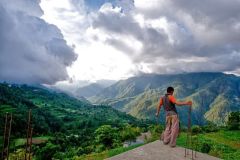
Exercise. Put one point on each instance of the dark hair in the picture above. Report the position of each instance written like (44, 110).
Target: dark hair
(170, 89)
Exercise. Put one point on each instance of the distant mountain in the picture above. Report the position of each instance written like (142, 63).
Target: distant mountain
(105, 82)
(93, 88)
(214, 95)
(54, 112)
(81, 89)
(89, 90)
(70, 86)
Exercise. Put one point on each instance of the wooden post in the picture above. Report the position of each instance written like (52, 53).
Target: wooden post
(6, 136)
(9, 134)
(189, 141)
(28, 147)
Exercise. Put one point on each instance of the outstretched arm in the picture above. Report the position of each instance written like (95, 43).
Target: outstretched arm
(189, 103)
(173, 100)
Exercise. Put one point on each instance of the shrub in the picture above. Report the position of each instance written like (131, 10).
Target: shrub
(234, 121)
(210, 127)
(107, 136)
(129, 133)
(196, 129)
(183, 128)
(47, 151)
(156, 131)
(205, 148)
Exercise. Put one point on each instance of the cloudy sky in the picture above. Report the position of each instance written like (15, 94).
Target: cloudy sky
(49, 41)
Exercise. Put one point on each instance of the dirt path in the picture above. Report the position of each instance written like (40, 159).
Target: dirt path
(157, 151)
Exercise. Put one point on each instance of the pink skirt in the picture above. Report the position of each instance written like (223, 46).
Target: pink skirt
(170, 134)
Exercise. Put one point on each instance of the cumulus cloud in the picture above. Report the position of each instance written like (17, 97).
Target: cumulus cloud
(31, 50)
(97, 57)
(119, 38)
(173, 35)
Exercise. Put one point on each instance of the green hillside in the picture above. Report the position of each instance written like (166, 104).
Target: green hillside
(54, 112)
(65, 125)
(214, 95)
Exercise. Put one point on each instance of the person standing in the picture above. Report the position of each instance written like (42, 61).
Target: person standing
(169, 103)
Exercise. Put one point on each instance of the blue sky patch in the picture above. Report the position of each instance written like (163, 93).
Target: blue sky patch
(96, 4)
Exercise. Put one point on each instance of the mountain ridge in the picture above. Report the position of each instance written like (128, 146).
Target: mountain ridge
(210, 92)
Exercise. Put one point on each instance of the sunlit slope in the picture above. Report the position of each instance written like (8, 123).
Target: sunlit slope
(214, 95)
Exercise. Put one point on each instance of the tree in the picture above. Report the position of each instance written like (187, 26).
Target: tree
(19, 154)
(210, 127)
(47, 151)
(130, 133)
(234, 121)
(107, 136)
(196, 129)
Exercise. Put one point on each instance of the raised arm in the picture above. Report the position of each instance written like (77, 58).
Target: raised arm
(178, 103)
(189, 103)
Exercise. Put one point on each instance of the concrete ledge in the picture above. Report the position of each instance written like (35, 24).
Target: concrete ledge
(158, 151)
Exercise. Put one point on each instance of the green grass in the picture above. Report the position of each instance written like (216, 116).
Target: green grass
(223, 144)
(229, 138)
(93, 156)
(22, 141)
(181, 140)
(19, 142)
(7, 108)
